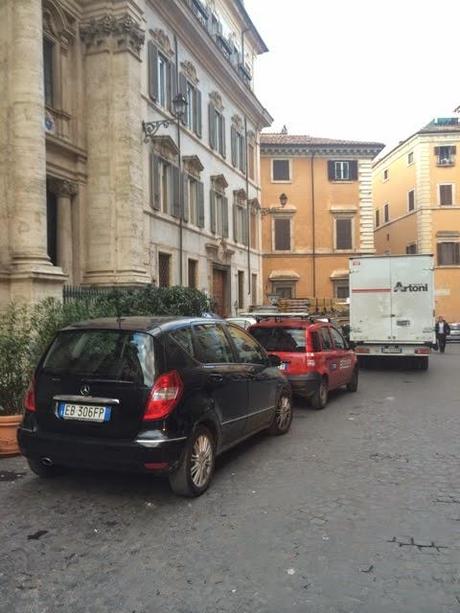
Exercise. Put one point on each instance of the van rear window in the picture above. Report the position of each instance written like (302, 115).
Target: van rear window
(103, 354)
(281, 339)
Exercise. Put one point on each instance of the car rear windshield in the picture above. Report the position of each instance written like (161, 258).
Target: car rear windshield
(281, 339)
(103, 354)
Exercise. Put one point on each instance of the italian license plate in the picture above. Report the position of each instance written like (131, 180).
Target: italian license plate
(391, 349)
(84, 412)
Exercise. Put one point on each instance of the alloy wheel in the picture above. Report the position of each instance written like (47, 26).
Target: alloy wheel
(201, 461)
(283, 413)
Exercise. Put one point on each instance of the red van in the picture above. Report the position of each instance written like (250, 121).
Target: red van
(314, 355)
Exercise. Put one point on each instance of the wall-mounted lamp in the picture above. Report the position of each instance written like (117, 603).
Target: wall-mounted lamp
(150, 128)
(275, 209)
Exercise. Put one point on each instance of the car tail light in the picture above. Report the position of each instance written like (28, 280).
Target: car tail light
(423, 350)
(362, 350)
(29, 398)
(310, 361)
(164, 396)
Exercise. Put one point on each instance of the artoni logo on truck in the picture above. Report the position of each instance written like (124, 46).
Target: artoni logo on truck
(412, 287)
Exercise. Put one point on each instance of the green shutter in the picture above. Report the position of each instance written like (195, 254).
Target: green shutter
(353, 165)
(235, 222)
(172, 89)
(225, 217)
(233, 144)
(212, 210)
(197, 117)
(245, 226)
(223, 151)
(154, 182)
(243, 155)
(212, 126)
(185, 197)
(176, 200)
(200, 203)
(331, 170)
(153, 70)
(183, 91)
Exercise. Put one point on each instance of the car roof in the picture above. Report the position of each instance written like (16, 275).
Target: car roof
(141, 324)
(286, 323)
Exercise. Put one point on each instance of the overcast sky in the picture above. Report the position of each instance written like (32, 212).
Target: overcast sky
(358, 69)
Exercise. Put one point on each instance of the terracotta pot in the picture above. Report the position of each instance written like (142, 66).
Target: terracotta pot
(8, 431)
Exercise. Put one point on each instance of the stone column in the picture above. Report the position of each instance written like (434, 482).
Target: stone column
(115, 200)
(64, 190)
(28, 273)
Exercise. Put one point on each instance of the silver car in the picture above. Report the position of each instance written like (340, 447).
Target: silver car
(454, 336)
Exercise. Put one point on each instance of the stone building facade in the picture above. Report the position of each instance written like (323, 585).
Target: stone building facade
(417, 205)
(91, 191)
(327, 214)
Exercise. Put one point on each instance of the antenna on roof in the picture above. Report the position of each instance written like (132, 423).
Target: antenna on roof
(284, 129)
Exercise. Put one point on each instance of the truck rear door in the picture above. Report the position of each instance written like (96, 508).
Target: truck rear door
(412, 299)
(370, 298)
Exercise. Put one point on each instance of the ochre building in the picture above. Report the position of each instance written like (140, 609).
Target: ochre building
(317, 212)
(129, 137)
(417, 205)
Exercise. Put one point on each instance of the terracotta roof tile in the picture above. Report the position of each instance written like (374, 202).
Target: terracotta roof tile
(272, 138)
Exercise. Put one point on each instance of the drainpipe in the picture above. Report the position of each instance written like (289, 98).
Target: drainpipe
(248, 213)
(312, 178)
(181, 185)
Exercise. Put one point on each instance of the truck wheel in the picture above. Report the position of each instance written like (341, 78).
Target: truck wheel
(352, 385)
(423, 363)
(319, 399)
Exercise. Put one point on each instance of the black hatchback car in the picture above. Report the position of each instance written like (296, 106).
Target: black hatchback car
(162, 395)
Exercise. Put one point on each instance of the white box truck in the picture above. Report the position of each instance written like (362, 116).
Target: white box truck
(392, 306)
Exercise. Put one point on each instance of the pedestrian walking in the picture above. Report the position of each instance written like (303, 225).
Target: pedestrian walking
(442, 330)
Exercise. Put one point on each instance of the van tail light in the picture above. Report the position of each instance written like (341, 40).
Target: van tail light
(29, 398)
(423, 350)
(164, 396)
(310, 361)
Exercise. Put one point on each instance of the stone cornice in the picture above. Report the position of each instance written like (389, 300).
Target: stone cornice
(123, 31)
(188, 68)
(162, 41)
(339, 150)
(216, 99)
(219, 182)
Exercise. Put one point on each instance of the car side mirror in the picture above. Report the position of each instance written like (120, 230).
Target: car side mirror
(274, 360)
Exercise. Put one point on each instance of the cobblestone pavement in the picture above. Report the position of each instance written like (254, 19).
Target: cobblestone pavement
(357, 509)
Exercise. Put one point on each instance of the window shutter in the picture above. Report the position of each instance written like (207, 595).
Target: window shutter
(183, 91)
(176, 205)
(282, 234)
(243, 155)
(353, 166)
(200, 203)
(343, 233)
(436, 151)
(185, 197)
(225, 217)
(212, 208)
(233, 145)
(212, 126)
(154, 181)
(222, 136)
(172, 86)
(453, 149)
(245, 226)
(235, 222)
(153, 70)
(197, 117)
(331, 170)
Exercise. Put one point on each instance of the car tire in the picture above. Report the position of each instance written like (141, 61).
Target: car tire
(352, 385)
(194, 473)
(43, 471)
(319, 399)
(284, 413)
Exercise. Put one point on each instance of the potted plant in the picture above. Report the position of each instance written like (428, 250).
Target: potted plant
(15, 370)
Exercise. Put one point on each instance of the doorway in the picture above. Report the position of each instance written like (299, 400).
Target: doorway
(219, 290)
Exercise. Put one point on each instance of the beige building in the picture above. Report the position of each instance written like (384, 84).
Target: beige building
(417, 205)
(327, 216)
(101, 181)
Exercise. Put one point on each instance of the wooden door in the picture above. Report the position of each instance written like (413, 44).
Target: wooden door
(219, 294)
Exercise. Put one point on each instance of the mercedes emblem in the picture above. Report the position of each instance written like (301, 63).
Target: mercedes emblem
(84, 391)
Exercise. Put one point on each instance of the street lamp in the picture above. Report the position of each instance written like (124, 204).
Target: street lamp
(150, 128)
(275, 209)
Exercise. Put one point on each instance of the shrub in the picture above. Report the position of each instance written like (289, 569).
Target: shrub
(27, 330)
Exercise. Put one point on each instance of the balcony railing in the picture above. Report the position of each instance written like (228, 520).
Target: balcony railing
(446, 161)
